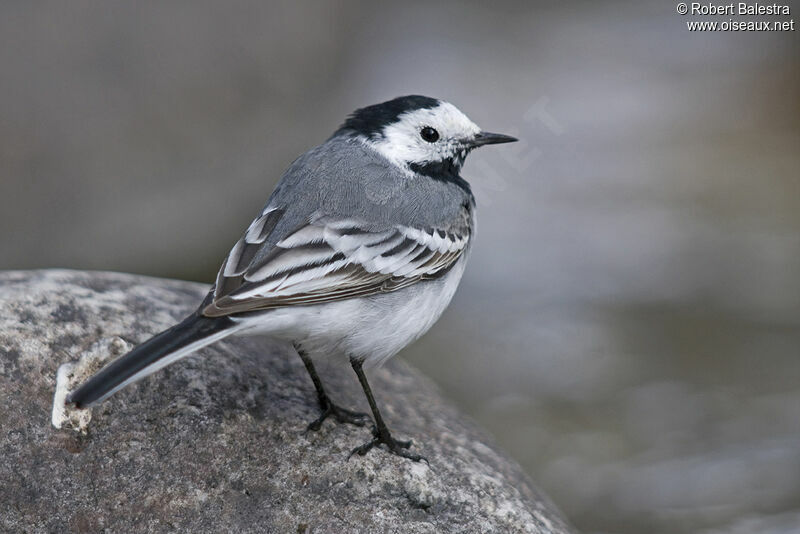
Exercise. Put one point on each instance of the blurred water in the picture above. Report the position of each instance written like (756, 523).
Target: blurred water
(628, 324)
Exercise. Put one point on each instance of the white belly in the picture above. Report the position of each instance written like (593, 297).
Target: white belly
(372, 329)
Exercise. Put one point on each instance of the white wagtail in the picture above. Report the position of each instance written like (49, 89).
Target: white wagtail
(357, 253)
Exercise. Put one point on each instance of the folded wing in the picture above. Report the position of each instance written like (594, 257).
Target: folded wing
(329, 260)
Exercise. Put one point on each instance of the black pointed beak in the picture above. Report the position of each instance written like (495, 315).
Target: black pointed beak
(489, 138)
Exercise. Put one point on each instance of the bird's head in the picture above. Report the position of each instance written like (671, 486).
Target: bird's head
(422, 134)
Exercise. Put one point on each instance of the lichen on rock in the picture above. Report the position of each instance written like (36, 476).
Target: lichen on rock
(70, 375)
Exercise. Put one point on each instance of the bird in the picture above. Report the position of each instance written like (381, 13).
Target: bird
(357, 253)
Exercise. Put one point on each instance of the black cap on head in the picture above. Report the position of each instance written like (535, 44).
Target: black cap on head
(371, 120)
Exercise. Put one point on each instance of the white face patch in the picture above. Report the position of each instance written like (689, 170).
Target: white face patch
(402, 144)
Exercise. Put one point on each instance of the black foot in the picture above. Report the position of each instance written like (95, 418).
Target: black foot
(395, 446)
(342, 415)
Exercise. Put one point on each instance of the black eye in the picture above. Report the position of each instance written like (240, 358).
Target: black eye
(429, 134)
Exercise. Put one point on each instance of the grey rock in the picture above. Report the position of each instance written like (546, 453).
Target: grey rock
(217, 442)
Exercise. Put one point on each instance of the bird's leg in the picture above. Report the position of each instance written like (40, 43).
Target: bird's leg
(342, 415)
(380, 434)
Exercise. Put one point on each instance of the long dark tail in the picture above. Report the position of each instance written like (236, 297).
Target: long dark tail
(172, 344)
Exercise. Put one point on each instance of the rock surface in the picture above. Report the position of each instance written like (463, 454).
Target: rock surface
(217, 442)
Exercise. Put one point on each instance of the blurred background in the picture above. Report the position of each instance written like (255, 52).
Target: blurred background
(629, 325)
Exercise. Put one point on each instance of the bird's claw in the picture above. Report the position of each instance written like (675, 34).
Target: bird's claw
(342, 415)
(394, 446)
